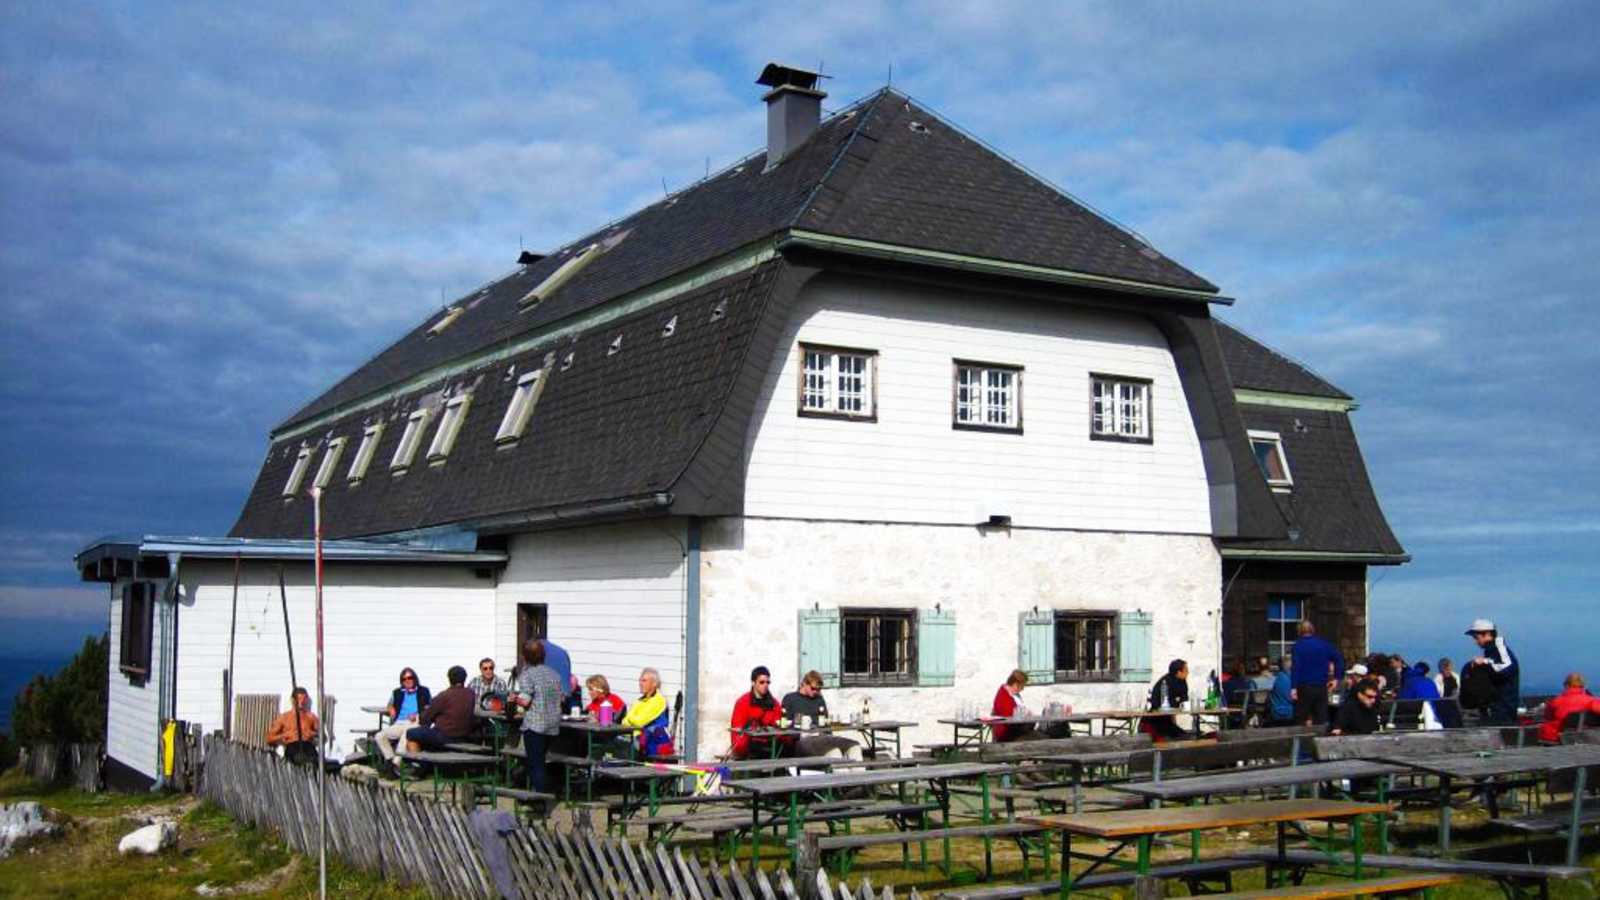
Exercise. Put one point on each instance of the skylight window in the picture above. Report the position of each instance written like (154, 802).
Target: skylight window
(330, 461)
(364, 453)
(1268, 448)
(410, 439)
(570, 268)
(455, 413)
(449, 318)
(298, 473)
(520, 410)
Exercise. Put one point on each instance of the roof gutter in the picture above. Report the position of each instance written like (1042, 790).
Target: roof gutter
(574, 514)
(899, 253)
(1375, 559)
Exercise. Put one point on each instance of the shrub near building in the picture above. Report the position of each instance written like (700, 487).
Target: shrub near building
(68, 707)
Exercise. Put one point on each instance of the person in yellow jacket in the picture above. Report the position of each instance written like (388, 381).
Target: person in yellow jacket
(650, 716)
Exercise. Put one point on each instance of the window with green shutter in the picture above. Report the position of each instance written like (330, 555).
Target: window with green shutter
(1036, 646)
(936, 648)
(1134, 636)
(819, 644)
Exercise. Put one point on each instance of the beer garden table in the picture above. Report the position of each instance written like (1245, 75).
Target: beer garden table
(979, 730)
(1127, 719)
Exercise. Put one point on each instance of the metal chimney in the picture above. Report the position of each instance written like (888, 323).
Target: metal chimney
(794, 108)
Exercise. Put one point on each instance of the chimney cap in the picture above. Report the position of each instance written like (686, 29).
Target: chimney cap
(778, 76)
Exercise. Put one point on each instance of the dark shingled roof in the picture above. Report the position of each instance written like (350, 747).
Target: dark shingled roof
(1332, 503)
(884, 169)
(1255, 366)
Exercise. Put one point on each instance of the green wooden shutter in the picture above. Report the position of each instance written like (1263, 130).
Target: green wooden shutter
(1133, 646)
(936, 648)
(819, 644)
(1036, 646)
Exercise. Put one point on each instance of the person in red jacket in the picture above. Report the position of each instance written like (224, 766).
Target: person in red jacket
(756, 709)
(1008, 704)
(1575, 698)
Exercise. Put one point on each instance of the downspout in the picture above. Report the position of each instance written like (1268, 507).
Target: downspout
(167, 681)
(691, 640)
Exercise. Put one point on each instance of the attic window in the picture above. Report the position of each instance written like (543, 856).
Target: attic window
(560, 276)
(302, 462)
(364, 453)
(455, 413)
(1268, 448)
(449, 318)
(330, 461)
(520, 410)
(410, 439)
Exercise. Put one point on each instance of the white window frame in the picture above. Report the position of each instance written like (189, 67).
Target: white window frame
(330, 461)
(445, 321)
(410, 439)
(302, 462)
(520, 410)
(444, 437)
(1281, 485)
(990, 399)
(1278, 627)
(364, 452)
(1112, 421)
(562, 274)
(824, 370)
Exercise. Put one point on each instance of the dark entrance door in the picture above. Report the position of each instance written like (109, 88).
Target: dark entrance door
(533, 620)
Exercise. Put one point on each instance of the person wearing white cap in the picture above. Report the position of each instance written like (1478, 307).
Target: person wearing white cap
(1503, 670)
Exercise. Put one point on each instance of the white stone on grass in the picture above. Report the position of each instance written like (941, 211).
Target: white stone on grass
(149, 840)
(19, 821)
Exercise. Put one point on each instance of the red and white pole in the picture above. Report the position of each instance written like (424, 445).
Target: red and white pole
(322, 767)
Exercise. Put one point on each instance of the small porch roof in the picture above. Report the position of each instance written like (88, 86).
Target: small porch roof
(146, 556)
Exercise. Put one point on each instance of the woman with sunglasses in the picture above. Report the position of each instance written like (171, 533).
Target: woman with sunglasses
(405, 705)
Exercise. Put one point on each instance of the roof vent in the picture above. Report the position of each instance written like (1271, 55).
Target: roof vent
(794, 109)
(567, 363)
(616, 346)
(719, 311)
(527, 259)
(670, 327)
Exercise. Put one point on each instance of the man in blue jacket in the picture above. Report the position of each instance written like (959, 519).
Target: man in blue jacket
(1504, 672)
(1283, 694)
(1315, 667)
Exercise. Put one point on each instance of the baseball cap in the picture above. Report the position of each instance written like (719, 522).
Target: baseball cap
(1481, 625)
(1358, 669)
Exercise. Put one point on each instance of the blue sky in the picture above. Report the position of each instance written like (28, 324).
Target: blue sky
(208, 214)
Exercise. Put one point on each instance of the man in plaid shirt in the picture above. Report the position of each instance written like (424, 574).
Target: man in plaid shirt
(539, 693)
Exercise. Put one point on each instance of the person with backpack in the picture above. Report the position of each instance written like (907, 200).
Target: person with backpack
(1505, 675)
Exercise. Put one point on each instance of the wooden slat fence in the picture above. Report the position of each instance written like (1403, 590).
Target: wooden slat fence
(411, 839)
(252, 713)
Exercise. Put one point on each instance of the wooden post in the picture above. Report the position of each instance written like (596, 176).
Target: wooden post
(808, 865)
(1147, 887)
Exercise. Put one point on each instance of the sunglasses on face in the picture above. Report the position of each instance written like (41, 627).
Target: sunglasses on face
(1369, 696)
(408, 678)
(486, 668)
(763, 681)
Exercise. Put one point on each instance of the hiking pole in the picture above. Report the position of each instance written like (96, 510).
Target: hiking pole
(322, 766)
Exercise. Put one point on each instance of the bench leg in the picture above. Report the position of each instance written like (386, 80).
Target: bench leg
(1444, 814)
(1579, 784)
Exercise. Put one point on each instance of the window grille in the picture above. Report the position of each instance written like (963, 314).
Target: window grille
(988, 397)
(1086, 646)
(878, 646)
(1119, 408)
(837, 383)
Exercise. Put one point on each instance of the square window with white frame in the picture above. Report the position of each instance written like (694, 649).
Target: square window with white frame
(1268, 448)
(1284, 615)
(1119, 408)
(838, 383)
(1086, 646)
(987, 396)
(878, 646)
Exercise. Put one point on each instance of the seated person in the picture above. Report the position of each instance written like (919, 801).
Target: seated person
(806, 708)
(448, 718)
(649, 714)
(757, 709)
(1358, 714)
(1416, 685)
(489, 685)
(1574, 698)
(405, 705)
(600, 697)
(1282, 695)
(1008, 705)
(296, 730)
(1171, 691)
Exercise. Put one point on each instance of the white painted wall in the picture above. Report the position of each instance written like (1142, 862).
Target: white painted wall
(912, 466)
(615, 595)
(756, 574)
(377, 619)
(132, 727)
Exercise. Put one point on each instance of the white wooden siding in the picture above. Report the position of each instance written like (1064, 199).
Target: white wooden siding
(132, 729)
(615, 595)
(912, 466)
(376, 619)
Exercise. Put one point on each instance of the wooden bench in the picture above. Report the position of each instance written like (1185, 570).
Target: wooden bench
(1193, 874)
(830, 812)
(524, 799)
(844, 846)
(1400, 884)
(1548, 822)
(1511, 876)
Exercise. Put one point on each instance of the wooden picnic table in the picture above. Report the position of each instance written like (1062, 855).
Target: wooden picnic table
(979, 730)
(869, 730)
(1240, 780)
(1129, 718)
(653, 775)
(1140, 826)
(382, 712)
(789, 792)
(1483, 766)
(1080, 762)
(438, 761)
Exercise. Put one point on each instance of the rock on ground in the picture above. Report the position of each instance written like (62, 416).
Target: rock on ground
(149, 840)
(20, 821)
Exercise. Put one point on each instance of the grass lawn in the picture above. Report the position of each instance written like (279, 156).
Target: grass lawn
(212, 849)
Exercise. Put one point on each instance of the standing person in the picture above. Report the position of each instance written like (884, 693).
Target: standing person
(1171, 691)
(1574, 698)
(296, 730)
(1503, 671)
(1445, 679)
(1008, 704)
(649, 714)
(487, 683)
(1317, 667)
(558, 659)
(756, 708)
(540, 692)
(1359, 714)
(448, 718)
(1282, 694)
(807, 708)
(405, 705)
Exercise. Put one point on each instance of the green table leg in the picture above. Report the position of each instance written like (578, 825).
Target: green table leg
(794, 829)
(988, 842)
(1444, 814)
(1066, 864)
(1383, 818)
(1579, 784)
(1144, 855)
(1356, 842)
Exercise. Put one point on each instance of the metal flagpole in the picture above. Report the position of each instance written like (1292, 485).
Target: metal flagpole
(322, 768)
(233, 629)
